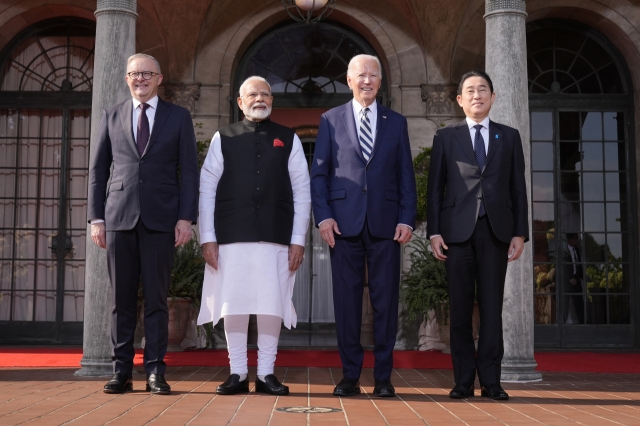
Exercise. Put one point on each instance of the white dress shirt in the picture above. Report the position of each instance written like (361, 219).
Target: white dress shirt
(484, 132)
(151, 115)
(373, 117)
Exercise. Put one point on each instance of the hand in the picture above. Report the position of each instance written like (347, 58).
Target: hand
(99, 234)
(438, 246)
(296, 254)
(210, 253)
(327, 228)
(516, 248)
(183, 232)
(403, 234)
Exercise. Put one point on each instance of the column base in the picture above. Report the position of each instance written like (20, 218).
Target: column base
(95, 368)
(520, 372)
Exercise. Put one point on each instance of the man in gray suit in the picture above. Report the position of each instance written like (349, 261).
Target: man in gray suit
(140, 208)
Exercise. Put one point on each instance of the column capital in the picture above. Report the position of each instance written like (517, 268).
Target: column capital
(494, 7)
(119, 6)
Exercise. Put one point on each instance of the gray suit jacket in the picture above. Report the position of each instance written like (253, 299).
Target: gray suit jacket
(160, 187)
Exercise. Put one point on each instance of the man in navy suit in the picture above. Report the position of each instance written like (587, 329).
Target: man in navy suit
(140, 207)
(477, 220)
(364, 202)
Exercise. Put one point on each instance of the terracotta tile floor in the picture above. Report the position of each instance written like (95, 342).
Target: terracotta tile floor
(57, 397)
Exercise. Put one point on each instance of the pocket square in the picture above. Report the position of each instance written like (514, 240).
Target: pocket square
(278, 142)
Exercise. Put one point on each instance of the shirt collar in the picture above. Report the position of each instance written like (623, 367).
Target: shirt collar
(484, 123)
(357, 108)
(153, 102)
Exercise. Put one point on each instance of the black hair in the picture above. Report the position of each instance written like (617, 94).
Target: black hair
(475, 73)
(571, 235)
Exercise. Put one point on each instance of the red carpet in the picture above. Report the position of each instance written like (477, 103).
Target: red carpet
(588, 362)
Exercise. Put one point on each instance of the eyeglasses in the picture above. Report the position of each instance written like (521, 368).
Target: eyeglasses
(471, 92)
(145, 74)
(254, 95)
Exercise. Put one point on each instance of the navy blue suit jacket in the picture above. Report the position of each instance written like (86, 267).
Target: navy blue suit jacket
(349, 189)
(146, 187)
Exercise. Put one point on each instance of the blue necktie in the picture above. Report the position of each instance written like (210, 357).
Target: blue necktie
(481, 157)
(366, 137)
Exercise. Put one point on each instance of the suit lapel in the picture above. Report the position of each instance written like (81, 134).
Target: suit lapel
(381, 125)
(126, 114)
(350, 124)
(495, 139)
(464, 140)
(158, 123)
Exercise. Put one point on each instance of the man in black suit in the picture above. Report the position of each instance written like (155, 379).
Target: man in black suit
(140, 208)
(477, 222)
(573, 275)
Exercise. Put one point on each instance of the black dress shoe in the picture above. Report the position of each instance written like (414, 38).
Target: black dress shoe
(119, 383)
(233, 385)
(271, 385)
(384, 389)
(157, 385)
(347, 387)
(494, 392)
(461, 392)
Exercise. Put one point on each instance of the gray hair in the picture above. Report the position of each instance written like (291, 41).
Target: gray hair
(253, 77)
(143, 56)
(363, 56)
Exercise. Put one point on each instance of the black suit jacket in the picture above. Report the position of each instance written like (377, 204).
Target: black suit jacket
(457, 185)
(124, 186)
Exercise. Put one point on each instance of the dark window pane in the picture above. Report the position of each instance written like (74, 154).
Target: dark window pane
(543, 213)
(543, 247)
(594, 247)
(593, 186)
(6, 213)
(23, 306)
(45, 308)
(596, 276)
(614, 156)
(49, 210)
(592, 156)
(542, 156)
(570, 217)
(616, 186)
(617, 278)
(610, 80)
(616, 244)
(570, 186)
(542, 126)
(5, 305)
(596, 309)
(595, 54)
(569, 123)
(613, 126)
(580, 68)
(542, 186)
(591, 126)
(590, 85)
(594, 217)
(614, 217)
(619, 311)
(568, 84)
(573, 308)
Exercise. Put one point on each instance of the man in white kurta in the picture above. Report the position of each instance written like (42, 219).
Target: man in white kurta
(253, 239)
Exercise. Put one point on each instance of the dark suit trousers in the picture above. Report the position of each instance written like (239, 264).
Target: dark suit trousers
(482, 261)
(139, 252)
(348, 271)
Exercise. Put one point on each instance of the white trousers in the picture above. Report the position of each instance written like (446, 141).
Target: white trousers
(236, 328)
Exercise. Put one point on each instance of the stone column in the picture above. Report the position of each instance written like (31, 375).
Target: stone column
(506, 64)
(115, 42)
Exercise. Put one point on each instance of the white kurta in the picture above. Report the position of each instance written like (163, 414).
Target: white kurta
(252, 278)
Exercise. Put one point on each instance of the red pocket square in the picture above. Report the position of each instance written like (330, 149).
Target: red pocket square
(278, 142)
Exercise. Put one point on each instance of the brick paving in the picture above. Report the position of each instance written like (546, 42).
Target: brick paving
(41, 396)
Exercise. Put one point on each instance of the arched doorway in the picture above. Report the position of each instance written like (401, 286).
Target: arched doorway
(584, 225)
(306, 66)
(45, 99)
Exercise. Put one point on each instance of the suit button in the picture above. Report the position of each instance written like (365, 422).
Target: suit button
(258, 206)
(140, 181)
(257, 172)
(479, 197)
(141, 161)
(257, 189)
(364, 191)
(257, 141)
(258, 156)
(367, 167)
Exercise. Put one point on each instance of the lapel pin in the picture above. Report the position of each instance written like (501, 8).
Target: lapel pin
(384, 116)
(496, 136)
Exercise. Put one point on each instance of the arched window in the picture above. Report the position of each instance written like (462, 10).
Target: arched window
(582, 169)
(46, 75)
(306, 65)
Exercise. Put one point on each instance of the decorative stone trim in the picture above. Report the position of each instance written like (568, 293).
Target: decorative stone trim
(493, 5)
(440, 99)
(184, 95)
(123, 6)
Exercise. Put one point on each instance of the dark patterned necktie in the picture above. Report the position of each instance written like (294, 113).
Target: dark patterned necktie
(143, 129)
(366, 138)
(481, 157)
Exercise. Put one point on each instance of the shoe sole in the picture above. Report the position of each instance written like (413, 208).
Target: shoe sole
(127, 388)
(461, 397)
(158, 392)
(497, 398)
(356, 392)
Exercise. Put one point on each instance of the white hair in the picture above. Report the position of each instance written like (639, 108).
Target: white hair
(254, 77)
(143, 56)
(357, 58)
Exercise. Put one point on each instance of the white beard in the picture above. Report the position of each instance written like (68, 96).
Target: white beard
(257, 114)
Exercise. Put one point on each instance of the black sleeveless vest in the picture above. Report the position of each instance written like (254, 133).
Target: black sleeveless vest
(254, 198)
